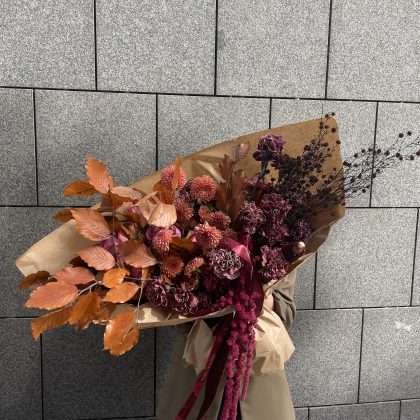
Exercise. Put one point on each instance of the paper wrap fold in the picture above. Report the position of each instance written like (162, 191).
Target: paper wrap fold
(274, 345)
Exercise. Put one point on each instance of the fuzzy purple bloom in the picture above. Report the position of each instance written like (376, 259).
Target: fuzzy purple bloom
(269, 147)
(224, 263)
(250, 218)
(300, 230)
(275, 209)
(156, 293)
(273, 264)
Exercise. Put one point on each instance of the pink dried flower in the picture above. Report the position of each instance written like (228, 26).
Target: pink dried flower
(203, 188)
(250, 218)
(184, 211)
(161, 241)
(216, 218)
(193, 265)
(207, 236)
(172, 265)
(167, 176)
(224, 263)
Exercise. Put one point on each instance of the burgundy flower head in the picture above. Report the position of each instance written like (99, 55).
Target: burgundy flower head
(156, 293)
(250, 218)
(269, 147)
(273, 264)
(224, 263)
(183, 301)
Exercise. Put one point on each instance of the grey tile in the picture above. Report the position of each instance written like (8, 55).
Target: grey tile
(356, 124)
(374, 51)
(20, 379)
(304, 290)
(17, 148)
(156, 46)
(47, 43)
(116, 128)
(390, 354)
(190, 123)
(368, 259)
(19, 228)
(301, 414)
(397, 186)
(272, 48)
(324, 366)
(373, 411)
(83, 381)
(410, 410)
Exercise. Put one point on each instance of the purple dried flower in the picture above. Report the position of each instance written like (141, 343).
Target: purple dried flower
(268, 148)
(300, 230)
(183, 301)
(275, 209)
(250, 218)
(225, 263)
(273, 264)
(156, 293)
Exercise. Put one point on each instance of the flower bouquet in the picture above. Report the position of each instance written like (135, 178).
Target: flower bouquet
(209, 236)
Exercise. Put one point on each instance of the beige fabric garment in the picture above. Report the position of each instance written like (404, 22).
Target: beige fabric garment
(268, 395)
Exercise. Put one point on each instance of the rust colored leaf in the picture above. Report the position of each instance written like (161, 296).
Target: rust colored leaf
(119, 336)
(137, 254)
(114, 277)
(49, 321)
(121, 293)
(52, 296)
(75, 275)
(240, 151)
(156, 212)
(182, 244)
(164, 194)
(35, 280)
(105, 312)
(91, 224)
(98, 176)
(63, 216)
(85, 310)
(126, 193)
(80, 188)
(97, 257)
(177, 174)
(145, 273)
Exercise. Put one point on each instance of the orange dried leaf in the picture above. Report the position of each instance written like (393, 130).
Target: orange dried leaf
(50, 321)
(63, 216)
(121, 293)
(105, 312)
(240, 151)
(85, 310)
(35, 279)
(91, 224)
(164, 215)
(164, 194)
(98, 176)
(177, 174)
(75, 275)
(130, 340)
(182, 244)
(137, 254)
(126, 193)
(52, 296)
(79, 188)
(114, 277)
(97, 257)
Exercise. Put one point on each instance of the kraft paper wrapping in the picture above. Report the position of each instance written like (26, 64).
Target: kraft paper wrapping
(274, 345)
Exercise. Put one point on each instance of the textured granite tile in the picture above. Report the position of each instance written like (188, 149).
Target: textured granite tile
(356, 122)
(116, 128)
(324, 366)
(374, 411)
(304, 290)
(47, 43)
(374, 50)
(410, 410)
(19, 229)
(368, 260)
(301, 414)
(20, 379)
(83, 381)
(156, 46)
(390, 354)
(17, 148)
(190, 123)
(397, 186)
(272, 48)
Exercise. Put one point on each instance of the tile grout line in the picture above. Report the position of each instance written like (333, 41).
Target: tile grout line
(216, 30)
(373, 154)
(35, 149)
(315, 278)
(400, 409)
(270, 112)
(95, 44)
(414, 258)
(360, 356)
(355, 403)
(41, 352)
(328, 51)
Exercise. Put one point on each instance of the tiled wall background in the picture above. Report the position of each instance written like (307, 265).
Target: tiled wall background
(134, 82)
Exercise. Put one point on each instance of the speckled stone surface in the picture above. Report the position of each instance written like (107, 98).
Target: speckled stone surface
(19, 229)
(189, 123)
(47, 43)
(116, 128)
(374, 50)
(356, 124)
(367, 260)
(323, 368)
(397, 186)
(83, 381)
(272, 48)
(390, 361)
(304, 289)
(156, 45)
(17, 147)
(20, 365)
(373, 411)
(301, 414)
(410, 410)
